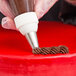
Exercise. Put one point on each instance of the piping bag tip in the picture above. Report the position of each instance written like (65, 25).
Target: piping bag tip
(32, 39)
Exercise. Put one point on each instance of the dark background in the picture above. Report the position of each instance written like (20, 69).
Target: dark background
(52, 15)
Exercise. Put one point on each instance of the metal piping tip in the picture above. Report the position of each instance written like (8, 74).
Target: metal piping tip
(32, 39)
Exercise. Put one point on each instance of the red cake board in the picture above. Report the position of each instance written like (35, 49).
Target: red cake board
(16, 58)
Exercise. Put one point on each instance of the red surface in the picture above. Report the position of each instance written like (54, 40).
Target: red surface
(16, 58)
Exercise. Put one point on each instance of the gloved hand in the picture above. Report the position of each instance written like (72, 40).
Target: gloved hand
(41, 7)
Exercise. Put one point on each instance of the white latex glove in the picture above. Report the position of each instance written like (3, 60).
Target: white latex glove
(41, 7)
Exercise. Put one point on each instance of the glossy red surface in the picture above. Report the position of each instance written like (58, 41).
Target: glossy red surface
(16, 58)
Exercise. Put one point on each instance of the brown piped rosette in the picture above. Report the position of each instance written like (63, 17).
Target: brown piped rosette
(54, 50)
(36, 51)
(45, 50)
(63, 49)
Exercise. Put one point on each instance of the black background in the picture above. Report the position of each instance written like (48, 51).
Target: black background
(52, 15)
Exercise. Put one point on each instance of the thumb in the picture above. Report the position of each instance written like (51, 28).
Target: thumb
(8, 23)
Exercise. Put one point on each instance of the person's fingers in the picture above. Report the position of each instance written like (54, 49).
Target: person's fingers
(8, 23)
(42, 6)
(73, 2)
(5, 9)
